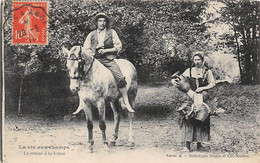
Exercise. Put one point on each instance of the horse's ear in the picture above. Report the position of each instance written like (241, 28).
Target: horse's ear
(65, 51)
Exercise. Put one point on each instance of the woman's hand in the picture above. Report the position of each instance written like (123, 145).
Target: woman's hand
(199, 90)
(175, 79)
(175, 82)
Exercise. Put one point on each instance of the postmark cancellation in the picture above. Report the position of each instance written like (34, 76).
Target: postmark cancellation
(30, 22)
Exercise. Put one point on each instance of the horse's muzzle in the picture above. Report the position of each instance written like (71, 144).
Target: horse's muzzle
(74, 90)
(74, 85)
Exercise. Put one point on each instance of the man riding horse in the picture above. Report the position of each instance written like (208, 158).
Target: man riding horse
(98, 78)
(103, 43)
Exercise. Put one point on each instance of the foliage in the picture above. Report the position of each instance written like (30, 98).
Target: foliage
(244, 17)
(149, 31)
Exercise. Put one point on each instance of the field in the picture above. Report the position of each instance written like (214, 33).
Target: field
(234, 134)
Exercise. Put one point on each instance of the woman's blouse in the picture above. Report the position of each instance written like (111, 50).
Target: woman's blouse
(199, 78)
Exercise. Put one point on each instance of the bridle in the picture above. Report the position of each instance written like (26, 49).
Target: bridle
(81, 64)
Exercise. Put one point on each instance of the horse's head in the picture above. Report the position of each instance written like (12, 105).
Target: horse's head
(75, 65)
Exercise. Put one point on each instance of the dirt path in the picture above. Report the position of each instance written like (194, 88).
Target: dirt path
(35, 138)
(155, 142)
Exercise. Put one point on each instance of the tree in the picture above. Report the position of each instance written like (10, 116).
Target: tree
(244, 17)
(19, 60)
(149, 30)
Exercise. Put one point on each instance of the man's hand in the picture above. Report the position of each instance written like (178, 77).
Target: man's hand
(102, 51)
(199, 90)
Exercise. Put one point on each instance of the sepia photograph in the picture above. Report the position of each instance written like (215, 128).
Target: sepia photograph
(130, 81)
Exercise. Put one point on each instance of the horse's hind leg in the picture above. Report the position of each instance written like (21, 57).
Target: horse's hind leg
(102, 123)
(131, 121)
(88, 114)
(115, 107)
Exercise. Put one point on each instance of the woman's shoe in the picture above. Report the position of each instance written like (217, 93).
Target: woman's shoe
(185, 149)
(200, 147)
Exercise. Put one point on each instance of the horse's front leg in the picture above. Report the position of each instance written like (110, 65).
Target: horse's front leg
(115, 107)
(102, 123)
(88, 114)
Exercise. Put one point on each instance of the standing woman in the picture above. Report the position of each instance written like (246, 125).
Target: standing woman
(200, 79)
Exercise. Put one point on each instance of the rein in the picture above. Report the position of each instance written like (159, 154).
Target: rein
(85, 74)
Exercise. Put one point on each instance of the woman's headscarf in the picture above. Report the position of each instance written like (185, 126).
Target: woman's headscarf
(199, 54)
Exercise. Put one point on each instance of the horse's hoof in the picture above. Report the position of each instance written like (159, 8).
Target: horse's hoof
(91, 150)
(130, 144)
(112, 143)
(106, 147)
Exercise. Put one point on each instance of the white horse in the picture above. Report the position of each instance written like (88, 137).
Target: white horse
(96, 85)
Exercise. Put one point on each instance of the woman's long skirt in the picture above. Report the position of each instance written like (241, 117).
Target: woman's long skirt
(194, 130)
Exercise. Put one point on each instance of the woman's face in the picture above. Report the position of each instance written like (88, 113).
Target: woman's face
(197, 61)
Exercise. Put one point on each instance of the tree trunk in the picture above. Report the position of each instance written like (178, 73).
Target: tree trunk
(247, 62)
(238, 54)
(255, 53)
(20, 94)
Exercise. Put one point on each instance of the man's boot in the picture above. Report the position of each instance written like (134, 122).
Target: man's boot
(123, 92)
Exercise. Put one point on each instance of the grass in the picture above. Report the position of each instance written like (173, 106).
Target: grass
(236, 130)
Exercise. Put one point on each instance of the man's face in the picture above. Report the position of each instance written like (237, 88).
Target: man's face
(101, 23)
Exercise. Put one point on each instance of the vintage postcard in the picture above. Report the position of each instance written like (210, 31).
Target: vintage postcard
(130, 81)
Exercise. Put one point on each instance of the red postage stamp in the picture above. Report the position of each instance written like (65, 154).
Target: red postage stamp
(30, 22)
